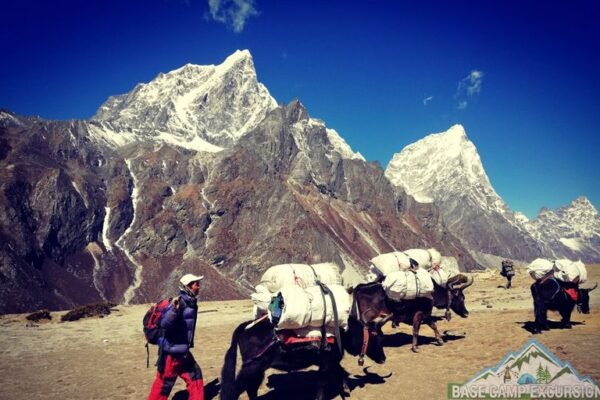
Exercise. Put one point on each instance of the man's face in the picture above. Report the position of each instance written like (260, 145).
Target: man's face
(195, 287)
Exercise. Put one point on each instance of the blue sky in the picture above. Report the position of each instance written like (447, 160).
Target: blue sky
(522, 77)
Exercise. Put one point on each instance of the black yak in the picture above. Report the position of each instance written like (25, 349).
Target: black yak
(551, 294)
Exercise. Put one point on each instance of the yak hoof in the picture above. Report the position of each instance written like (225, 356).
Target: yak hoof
(415, 349)
(439, 342)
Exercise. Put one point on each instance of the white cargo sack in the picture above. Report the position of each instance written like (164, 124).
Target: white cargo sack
(569, 271)
(440, 275)
(450, 265)
(312, 332)
(539, 268)
(304, 308)
(426, 258)
(408, 285)
(384, 264)
(342, 302)
(302, 275)
(261, 299)
(582, 271)
(296, 308)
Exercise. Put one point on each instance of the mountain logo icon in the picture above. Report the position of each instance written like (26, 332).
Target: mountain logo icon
(532, 372)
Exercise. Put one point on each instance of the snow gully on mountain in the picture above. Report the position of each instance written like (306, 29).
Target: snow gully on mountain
(137, 280)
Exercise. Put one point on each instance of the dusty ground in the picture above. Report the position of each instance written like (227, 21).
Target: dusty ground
(105, 358)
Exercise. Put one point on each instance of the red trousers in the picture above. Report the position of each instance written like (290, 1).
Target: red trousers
(185, 367)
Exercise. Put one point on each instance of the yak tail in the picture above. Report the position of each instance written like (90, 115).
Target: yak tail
(228, 384)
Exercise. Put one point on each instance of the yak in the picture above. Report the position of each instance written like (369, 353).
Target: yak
(551, 294)
(416, 311)
(261, 347)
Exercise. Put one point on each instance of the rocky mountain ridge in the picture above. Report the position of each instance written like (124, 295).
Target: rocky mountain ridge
(118, 207)
(201, 171)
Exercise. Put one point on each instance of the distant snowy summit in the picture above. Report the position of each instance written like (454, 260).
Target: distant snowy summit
(190, 105)
(576, 227)
(440, 166)
(199, 107)
(445, 169)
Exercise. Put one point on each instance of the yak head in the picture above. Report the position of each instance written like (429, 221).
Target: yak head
(456, 285)
(583, 300)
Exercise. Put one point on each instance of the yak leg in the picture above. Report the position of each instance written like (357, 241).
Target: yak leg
(249, 379)
(540, 311)
(323, 376)
(434, 327)
(417, 319)
(565, 313)
(331, 373)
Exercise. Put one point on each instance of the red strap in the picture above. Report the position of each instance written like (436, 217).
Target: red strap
(288, 336)
(296, 340)
(572, 293)
(365, 343)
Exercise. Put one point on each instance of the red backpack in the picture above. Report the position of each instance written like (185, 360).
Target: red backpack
(152, 330)
(151, 321)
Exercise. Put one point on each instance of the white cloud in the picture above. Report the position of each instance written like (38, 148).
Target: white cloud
(468, 87)
(427, 100)
(471, 84)
(232, 13)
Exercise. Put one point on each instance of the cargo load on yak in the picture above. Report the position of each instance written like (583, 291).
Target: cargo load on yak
(299, 308)
(564, 270)
(408, 285)
(539, 268)
(427, 258)
(384, 264)
(292, 297)
(304, 275)
(440, 268)
(448, 269)
(570, 271)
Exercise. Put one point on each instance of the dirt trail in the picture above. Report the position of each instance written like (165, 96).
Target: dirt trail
(105, 358)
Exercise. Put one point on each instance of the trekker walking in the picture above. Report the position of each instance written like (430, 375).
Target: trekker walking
(174, 357)
(508, 271)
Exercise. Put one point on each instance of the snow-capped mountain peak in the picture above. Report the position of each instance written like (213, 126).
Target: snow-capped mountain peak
(445, 168)
(216, 104)
(442, 165)
(573, 230)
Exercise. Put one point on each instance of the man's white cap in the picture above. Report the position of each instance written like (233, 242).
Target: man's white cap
(189, 278)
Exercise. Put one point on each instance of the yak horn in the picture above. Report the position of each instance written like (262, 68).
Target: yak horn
(464, 285)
